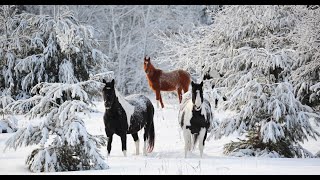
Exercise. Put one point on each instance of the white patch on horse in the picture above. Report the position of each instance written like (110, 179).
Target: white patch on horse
(198, 100)
(128, 108)
(204, 110)
(187, 110)
(137, 147)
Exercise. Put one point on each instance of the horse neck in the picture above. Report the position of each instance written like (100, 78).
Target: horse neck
(155, 73)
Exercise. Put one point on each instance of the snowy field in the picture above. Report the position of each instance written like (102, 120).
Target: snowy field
(168, 154)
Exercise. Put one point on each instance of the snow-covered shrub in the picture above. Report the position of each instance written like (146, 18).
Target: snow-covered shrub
(8, 122)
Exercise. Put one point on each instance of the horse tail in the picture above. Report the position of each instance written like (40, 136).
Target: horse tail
(150, 129)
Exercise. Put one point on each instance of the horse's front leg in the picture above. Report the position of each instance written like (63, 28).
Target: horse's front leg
(202, 138)
(179, 90)
(124, 143)
(109, 143)
(159, 98)
(187, 141)
(161, 101)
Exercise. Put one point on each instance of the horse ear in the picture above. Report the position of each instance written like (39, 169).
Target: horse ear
(201, 84)
(148, 59)
(112, 82)
(104, 81)
(192, 83)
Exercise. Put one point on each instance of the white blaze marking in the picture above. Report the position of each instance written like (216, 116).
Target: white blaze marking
(198, 99)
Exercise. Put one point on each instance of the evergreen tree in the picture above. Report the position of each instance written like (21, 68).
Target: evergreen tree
(41, 48)
(306, 74)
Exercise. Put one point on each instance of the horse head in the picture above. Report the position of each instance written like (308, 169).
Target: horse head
(109, 94)
(197, 95)
(147, 65)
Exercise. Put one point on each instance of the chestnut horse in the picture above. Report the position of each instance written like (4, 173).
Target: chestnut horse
(166, 81)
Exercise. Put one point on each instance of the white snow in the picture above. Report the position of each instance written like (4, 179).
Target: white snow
(168, 154)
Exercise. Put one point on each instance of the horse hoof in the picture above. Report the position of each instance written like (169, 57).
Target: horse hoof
(125, 153)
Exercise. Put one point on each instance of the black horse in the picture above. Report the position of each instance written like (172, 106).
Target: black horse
(195, 118)
(127, 116)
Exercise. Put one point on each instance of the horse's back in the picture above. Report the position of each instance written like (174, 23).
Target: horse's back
(184, 74)
(172, 80)
(139, 101)
(142, 110)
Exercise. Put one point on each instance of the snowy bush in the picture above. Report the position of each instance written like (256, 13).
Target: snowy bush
(57, 105)
(8, 122)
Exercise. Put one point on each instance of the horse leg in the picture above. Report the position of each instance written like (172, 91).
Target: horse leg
(161, 100)
(136, 140)
(145, 141)
(157, 97)
(194, 141)
(185, 88)
(124, 143)
(187, 141)
(202, 137)
(179, 94)
(109, 135)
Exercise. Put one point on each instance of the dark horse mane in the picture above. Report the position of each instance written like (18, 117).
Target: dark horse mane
(127, 116)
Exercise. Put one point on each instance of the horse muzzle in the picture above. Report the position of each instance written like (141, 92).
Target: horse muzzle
(197, 108)
(107, 106)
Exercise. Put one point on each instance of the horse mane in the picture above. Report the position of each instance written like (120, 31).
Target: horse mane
(128, 108)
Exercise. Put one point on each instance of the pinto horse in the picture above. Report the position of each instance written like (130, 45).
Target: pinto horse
(127, 116)
(166, 81)
(195, 118)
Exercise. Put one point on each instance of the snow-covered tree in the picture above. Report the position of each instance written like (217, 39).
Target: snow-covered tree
(306, 74)
(8, 122)
(257, 55)
(41, 48)
(253, 48)
(65, 144)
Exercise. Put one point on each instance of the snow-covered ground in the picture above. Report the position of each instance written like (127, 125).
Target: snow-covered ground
(168, 154)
